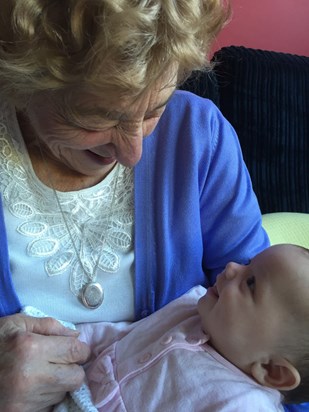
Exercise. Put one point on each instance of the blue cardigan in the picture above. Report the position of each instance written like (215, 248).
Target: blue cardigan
(194, 207)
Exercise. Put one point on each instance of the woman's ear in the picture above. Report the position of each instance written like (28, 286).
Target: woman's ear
(278, 373)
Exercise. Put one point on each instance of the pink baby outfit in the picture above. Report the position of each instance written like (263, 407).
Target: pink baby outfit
(163, 363)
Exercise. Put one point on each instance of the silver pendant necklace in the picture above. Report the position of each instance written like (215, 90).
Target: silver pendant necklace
(91, 294)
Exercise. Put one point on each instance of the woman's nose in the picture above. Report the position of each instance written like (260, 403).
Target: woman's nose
(131, 147)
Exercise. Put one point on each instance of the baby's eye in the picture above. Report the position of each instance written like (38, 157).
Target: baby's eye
(251, 283)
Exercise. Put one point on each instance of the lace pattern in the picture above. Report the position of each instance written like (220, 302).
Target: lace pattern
(98, 238)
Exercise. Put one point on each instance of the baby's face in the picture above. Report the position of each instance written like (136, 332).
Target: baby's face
(250, 309)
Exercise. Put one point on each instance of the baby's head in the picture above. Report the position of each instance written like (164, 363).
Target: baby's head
(257, 316)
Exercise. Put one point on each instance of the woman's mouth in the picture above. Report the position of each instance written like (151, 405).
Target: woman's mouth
(103, 160)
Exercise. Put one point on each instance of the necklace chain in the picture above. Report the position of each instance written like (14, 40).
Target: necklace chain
(102, 238)
(91, 295)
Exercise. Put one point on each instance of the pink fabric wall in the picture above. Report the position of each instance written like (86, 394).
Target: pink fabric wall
(279, 25)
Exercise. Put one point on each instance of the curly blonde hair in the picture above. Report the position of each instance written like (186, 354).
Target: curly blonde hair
(119, 46)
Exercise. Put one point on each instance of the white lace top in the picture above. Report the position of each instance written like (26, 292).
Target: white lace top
(45, 269)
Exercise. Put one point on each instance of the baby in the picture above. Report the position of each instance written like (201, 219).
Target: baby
(241, 346)
(257, 317)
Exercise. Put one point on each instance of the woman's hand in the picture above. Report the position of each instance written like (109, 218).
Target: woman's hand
(39, 363)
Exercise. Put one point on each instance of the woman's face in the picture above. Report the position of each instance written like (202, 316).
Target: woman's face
(103, 132)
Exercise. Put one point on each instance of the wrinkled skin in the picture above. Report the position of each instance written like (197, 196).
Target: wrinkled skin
(39, 362)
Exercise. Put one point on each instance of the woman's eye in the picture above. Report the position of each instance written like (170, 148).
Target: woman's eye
(150, 118)
(155, 115)
(251, 283)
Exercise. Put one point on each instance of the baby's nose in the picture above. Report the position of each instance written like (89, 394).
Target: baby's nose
(232, 269)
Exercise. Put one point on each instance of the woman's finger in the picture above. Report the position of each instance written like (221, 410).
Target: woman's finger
(64, 350)
(42, 367)
(43, 326)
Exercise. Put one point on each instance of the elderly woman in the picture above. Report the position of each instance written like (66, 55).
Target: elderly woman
(102, 224)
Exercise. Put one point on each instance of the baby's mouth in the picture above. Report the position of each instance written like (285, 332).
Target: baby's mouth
(213, 291)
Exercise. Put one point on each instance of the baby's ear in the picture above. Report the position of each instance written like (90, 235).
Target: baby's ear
(278, 373)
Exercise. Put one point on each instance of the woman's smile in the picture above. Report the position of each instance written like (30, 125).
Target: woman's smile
(101, 159)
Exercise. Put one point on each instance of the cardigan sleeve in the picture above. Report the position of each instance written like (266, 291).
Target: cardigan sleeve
(9, 302)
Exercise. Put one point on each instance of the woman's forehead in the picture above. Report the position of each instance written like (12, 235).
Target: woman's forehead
(124, 99)
(118, 107)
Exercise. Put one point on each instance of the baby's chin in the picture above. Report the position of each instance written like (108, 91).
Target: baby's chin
(207, 302)
(201, 304)
(202, 309)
